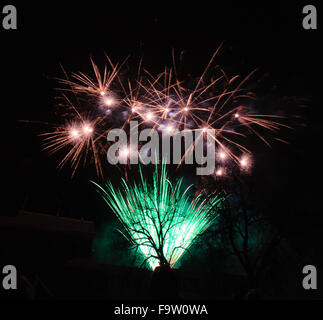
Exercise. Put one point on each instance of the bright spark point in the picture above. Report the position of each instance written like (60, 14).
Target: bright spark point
(87, 129)
(109, 102)
(185, 109)
(243, 162)
(236, 115)
(102, 93)
(222, 155)
(149, 116)
(74, 133)
(124, 152)
(219, 172)
(169, 128)
(204, 129)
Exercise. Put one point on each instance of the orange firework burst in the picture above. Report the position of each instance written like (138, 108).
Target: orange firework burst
(163, 102)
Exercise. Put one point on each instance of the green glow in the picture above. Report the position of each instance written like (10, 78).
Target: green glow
(161, 219)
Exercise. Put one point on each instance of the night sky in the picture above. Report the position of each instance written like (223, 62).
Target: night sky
(267, 37)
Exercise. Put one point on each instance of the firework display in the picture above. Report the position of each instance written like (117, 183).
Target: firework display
(163, 218)
(91, 107)
(161, 153)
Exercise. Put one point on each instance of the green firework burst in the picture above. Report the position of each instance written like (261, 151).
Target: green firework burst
(161, 219)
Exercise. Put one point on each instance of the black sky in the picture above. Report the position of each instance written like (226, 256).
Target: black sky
(269, 37)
